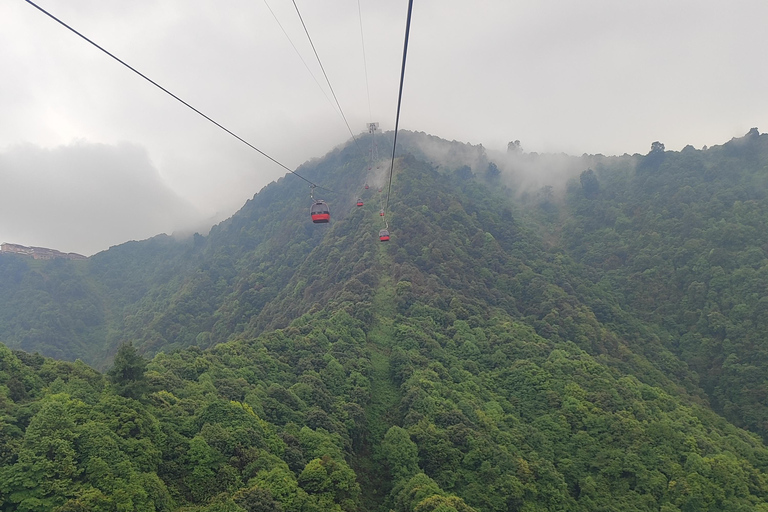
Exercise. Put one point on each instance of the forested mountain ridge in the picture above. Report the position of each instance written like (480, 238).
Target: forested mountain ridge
(469, 364)
(682, 239)
(166, 293)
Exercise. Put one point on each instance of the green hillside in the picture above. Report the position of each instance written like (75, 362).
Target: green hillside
(504, 351)
(164, 293)
(682, 241)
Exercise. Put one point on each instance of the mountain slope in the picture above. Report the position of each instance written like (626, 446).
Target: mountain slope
(682, 238)
(165, 293)
(465, 365)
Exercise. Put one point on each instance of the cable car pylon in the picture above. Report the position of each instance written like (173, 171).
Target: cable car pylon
(373, 152)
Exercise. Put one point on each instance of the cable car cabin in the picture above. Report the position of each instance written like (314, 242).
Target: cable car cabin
(366, 185)
(320, 212)
(384, 235)
(381, 213)
(359, 202)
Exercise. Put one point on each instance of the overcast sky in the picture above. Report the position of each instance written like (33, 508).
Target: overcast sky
(91, 155)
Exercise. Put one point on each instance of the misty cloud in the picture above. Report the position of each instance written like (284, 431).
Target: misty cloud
(592, 76)
(85, 197)
(523, 172)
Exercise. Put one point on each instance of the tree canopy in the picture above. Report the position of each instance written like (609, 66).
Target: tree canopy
(595, 349)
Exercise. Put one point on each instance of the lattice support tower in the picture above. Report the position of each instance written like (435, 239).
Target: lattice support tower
(373, 152)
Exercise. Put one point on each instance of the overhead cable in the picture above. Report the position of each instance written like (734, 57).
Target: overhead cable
(325, 75)
(145, 77)
(365, 62)
(299, 54)
(399, 100)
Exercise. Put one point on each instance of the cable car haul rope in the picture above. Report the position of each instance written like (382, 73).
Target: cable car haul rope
(319, 211)
(384, 233)
(169, 93)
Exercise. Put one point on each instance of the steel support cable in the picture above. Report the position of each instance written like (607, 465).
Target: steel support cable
(326, 76)
(299, 54)
(399, 101)
(145, 77)
(365, 62)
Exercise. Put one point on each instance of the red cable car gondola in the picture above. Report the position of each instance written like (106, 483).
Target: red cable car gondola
(381, 213)
(320, 212)
(359, 202)
(384, 235)
(366, 185)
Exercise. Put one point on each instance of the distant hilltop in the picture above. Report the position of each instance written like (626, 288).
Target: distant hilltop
(40, 253)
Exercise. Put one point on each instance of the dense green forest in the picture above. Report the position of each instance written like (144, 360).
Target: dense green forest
(682, 242)
(508, 349)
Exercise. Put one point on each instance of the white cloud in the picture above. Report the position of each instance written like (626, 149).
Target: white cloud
(594, 76)
(85, 197)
